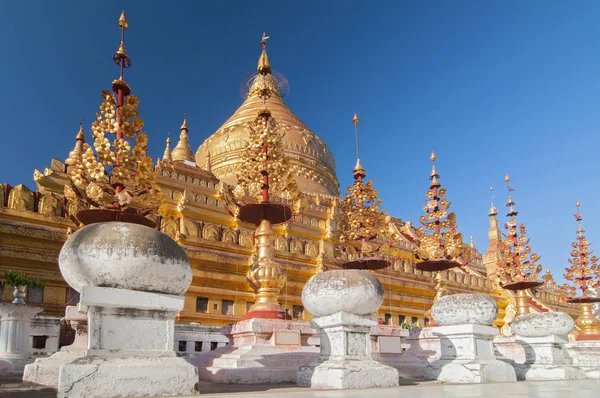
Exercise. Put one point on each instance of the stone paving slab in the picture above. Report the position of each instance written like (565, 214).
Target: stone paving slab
(409, 389)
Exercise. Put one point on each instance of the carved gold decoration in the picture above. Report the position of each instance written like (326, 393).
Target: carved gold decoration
(520, 268)
(360, 221)
(115, 173)
(182, 150)
(584, 274)
(266, 276)
(20, 198)
(444, 244)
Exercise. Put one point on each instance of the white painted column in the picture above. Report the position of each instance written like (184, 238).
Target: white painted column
(15, 345)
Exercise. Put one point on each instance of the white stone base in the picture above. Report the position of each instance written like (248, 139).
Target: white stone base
(127, 377)
(586, 356)
(45, 371)
(467, 356)
(12, 364)
(546, 358)
(347, 374)
(262, 351)
(345, 360)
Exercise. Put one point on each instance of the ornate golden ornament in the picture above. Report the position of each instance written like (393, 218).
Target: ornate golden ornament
(116, 174)
(584, 275)
(360, 221)
(519, 269)
(442, 247)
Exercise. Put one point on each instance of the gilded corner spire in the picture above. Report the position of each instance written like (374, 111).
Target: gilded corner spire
(76, 154)
(493, 212)
(443, 247)
(167, 154)
(584, 272)
(519, 268)
(183, 150)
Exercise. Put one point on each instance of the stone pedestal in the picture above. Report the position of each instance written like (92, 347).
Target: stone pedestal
(15, 345)
(260, 351)
(467, 356)
(45, 371)
(546, 358)
(345, 360)
(585, 355)
(543, 337)
(130, 347)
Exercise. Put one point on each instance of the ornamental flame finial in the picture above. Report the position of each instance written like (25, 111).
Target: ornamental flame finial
(519, 269)
(443, 247)
(584, 272)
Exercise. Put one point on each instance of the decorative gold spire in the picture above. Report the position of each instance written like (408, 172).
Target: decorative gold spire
(548, 279)
(519, 269)
(443, 248)
(584, 272)
(167, 154)
(359, 171)
(264, 66)
(76, 154)
(493, 211)
(360, 220)
(183, 150)
(122, 59)
(472, 244)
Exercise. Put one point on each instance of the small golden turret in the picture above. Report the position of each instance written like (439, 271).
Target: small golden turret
(183, 150)
(76, 154)
(264, 66)
(167, 154)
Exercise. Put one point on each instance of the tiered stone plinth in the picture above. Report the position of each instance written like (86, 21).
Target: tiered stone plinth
(544, 337)
(15, 347)
(261, 351)
(467, 356)
(130, 343)
(585, 355)
(467, 350)
(45, 371)
(342, 302)
(131, 280)
(345, 360)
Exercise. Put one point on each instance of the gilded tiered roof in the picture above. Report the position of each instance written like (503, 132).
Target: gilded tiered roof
(310, 158)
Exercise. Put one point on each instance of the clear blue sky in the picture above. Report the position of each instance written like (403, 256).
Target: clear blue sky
(493, 87)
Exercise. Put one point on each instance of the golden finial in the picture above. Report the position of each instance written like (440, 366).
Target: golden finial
(493, 211)
(76, 154)
(264, 66)
(183, 150)
(167, 154)
(120, 57)
(578, 215)
(355, 119)
(123, 20)
(184, 125)
(208, 162)
(433, 158)
(507, 178)
(359, 171)
(472, 244)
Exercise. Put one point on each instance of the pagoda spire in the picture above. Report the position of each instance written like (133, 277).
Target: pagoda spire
(494, 253)
(264, 66)
(183, 150)
(76, 154)
(359, 171)
(167, 154)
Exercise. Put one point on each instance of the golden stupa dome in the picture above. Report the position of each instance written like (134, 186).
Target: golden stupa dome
(310, 158)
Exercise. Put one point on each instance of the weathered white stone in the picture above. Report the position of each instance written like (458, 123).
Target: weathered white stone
(351, 291)
(192, 333)
(585, 355)
(49, 328)
(546, 358)
(15, 345)
(460, 309)
(423, 348)
(45, 371)
(543, 324)
(125, 256)
(254, 355)
(467, 356)
(131, 279)
(345, 360)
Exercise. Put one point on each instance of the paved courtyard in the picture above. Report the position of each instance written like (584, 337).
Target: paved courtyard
(419, 389)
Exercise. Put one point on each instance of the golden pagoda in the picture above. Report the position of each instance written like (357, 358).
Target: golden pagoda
(221, 249)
